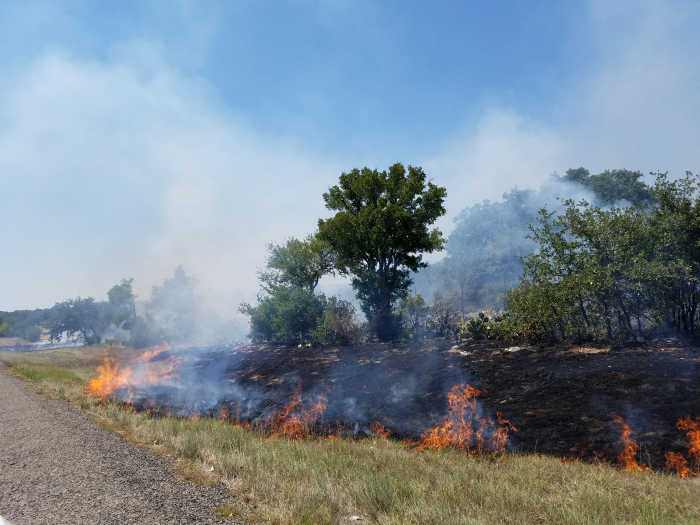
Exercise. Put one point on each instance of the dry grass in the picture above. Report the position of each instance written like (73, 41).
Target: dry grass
(321, 481)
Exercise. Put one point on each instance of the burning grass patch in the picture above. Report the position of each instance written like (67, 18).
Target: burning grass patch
(318, 480)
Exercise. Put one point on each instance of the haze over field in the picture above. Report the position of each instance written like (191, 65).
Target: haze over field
(142, 135)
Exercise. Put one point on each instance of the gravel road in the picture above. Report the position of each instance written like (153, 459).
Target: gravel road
(57, 466)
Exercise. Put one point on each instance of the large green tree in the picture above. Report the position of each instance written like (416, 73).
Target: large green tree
(379, 233)
(85, 317)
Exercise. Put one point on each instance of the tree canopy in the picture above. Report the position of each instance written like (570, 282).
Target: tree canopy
(613, 186)
(123, 302)
(614, 272)
(84, 317)
(25, 324)
(379, 233)
(484, 249)
(298, 263)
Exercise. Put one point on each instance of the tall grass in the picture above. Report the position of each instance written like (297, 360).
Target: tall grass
(320, 481)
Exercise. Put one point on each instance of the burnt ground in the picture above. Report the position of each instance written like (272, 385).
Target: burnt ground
(557, 397)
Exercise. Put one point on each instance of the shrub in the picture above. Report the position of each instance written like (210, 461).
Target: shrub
(31, 333)
(337, 324)
(506, 327)
(442, 317)
(414, 313)
(292, 314)
(479, 327)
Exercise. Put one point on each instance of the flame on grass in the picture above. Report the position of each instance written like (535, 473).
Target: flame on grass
(676, 460)
(109, 380)
(338, 433)
(463, 427)
(149, 354)
(579, 452)
(380, 430)
(142, 372)
(626, 459)
(295, 421)
(693, 428)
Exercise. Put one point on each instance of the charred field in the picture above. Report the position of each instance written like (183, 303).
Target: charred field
(559, 398)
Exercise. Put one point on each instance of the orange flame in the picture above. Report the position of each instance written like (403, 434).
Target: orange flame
(379, 429)
(677, 461)
(111, 378)
(500, 437)
(579, 451)
(627, 458)
(295, 421)
(462, 426)
(148, 354)
(338, 433)
(693, 428)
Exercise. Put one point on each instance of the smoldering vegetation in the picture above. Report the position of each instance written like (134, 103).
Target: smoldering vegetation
(404, 389)
(558, 400)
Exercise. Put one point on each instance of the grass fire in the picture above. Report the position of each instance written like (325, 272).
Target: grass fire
(374, 427)
(155, 374)
(572, 389)
(142, 373)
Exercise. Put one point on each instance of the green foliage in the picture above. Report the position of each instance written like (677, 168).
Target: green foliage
(613, 273)
(612, 186)
(25, 324)
(336, 325)
(296, 315)
(675, 224)
(379, 233)
(505, 327)
(298, 263)
(84, 317)
(479, 327)
(483, 250)
(414, 313)
(123, 302)
(288, 315)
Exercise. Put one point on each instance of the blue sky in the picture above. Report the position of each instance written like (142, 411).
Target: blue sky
(138, 135)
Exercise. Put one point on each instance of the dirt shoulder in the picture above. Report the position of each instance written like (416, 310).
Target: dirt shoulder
(57, 466)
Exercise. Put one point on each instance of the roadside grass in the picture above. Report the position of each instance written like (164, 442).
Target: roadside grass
(321, 481)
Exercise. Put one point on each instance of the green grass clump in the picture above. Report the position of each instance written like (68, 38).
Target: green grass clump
(320, 481)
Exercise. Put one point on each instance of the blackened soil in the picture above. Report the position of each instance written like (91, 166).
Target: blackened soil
(557, 397)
